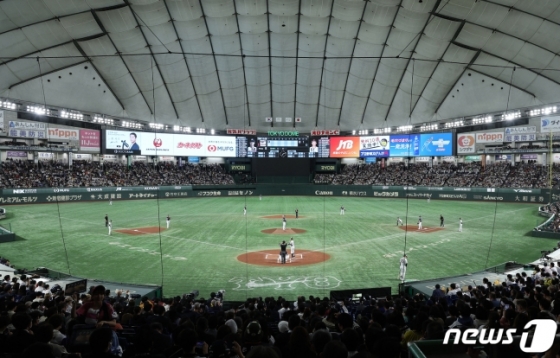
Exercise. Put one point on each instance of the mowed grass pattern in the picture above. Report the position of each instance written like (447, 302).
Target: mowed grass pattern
(200, 249)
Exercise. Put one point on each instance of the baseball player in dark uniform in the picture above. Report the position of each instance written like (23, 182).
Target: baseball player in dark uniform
(106, 220)
(441, 224)
(283, 246)
(297, 213)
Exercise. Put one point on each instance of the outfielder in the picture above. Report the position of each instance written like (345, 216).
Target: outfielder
(404, 264)
(111, 202)
(399, 221)
(244, 210)
(168, 220)
(284, 222)
(419, 223)
(342, 210)
(460, 225)
(110, 226)
(441, 221)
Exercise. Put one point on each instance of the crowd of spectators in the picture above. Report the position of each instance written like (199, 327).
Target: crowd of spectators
(495, 175)
(27, 174)
(39, 321)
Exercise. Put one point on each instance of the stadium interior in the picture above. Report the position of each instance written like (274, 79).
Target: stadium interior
(157, 156)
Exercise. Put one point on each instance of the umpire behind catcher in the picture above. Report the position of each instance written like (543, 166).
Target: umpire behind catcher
(283, 246)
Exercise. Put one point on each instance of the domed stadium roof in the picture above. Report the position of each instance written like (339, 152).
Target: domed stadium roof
(230, 64)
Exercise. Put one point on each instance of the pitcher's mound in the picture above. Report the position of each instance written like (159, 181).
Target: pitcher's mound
(414, 228)
(270, 258)
(280, 216)
(283, 232)
(142, 230)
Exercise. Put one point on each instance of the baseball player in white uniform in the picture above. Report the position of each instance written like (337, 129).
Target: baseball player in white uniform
(168, 220)
(110, 226)
(460, 225)
(284, 222)
(292, 249)
(342, 210)
(419, 223)
(399, 221)
(244, 210)
(403, 265)
(111, 202)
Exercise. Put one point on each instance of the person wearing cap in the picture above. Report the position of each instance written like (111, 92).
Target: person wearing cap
(97, 311)
(283, 246)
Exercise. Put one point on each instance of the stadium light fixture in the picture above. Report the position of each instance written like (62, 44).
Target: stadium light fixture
(38, 110)
(102, 120)
(382, 130)
(201, 130)
(511, 116)
(133, 125)
(455, 124)
(71, 115)
(406, 128)
(429, 127)
(482, 120)
(363, 132)
(8, 105)
(212, 131)
(543, 111)
(157, 126)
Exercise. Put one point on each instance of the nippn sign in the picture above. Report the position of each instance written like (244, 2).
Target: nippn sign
(490, 137)
(65, 134)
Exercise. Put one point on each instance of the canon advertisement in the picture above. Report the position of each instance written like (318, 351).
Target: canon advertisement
(168, 144)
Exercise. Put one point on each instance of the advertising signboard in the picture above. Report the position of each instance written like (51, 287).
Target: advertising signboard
(344, 147)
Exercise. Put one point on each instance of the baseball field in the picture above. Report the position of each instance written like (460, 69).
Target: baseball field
(211, 245)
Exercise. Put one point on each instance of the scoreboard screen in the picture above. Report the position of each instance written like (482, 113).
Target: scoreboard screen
(319, 147)
(283, 147)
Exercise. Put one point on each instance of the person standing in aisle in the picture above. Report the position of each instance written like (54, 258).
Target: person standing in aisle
(403, 265)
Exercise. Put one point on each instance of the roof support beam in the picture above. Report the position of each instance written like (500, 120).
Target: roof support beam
(459, 29)
(522, 11)
(63, 16)
(380, 57)
(408, 62)
(323, 66)
(100, 24)
(155, 61)
(351, 61)
(246, 102)
(47, 73)
(497, 79)
(99, 73)
(493, 30)
(215, 62)
(457, 80)
(185, 58)
(298, 33)
(270, 59)
(506, 60)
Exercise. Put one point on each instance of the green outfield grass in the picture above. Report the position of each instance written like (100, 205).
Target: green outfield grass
(206, 235)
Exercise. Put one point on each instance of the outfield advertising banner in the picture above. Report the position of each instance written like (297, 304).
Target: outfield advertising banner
(550, 124)
(401, 145)
(63, 134)
(344, 147)
(489, 137)
(465, 143)
(148, 143)
(377, 146)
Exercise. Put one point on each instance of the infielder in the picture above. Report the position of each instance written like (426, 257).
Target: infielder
(403, 264)
(441, 221)
(460, 225)
(342, 210)
(419, 223)
(399, 221)
(284, 222)
(111, 202)
(106, 220)
(168, 220)
(244, 211)
(297, 213)
(110, 226)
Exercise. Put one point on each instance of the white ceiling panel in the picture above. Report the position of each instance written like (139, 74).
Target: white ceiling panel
(26, 12)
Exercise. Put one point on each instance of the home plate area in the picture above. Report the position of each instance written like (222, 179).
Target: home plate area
(414, 228)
